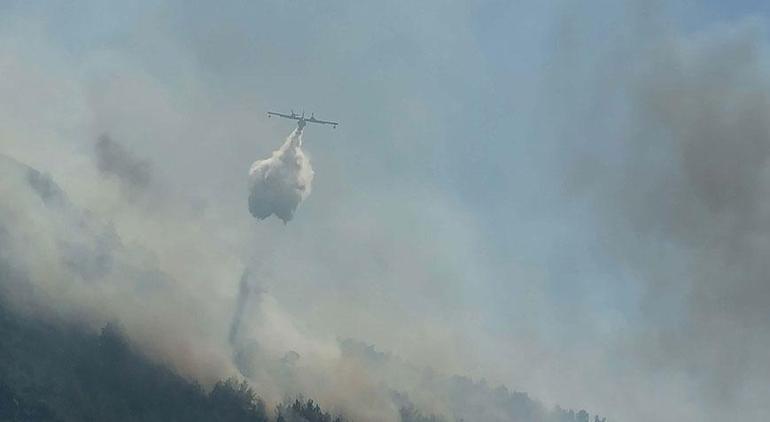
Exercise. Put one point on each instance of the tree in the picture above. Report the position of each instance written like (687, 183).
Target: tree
(236, 401)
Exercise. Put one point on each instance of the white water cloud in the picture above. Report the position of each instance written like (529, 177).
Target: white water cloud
(277, 185)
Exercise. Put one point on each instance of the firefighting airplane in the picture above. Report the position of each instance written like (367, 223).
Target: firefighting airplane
(302, 121)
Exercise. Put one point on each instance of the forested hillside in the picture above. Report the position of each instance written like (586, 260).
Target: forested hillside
(51, 372)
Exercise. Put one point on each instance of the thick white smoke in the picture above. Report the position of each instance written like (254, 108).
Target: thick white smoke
(278, 184)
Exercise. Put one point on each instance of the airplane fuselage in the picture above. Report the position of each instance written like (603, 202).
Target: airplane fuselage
(302, 121)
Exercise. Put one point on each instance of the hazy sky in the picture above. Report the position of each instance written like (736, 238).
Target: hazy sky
(550, 195)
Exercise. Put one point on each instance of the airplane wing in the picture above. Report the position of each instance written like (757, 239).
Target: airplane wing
(323, 122)
(285, 116)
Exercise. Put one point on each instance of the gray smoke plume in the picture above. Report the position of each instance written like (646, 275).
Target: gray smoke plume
(687, 207)
(278, 184)
(247, 288)
(706, 101)
(114, 160)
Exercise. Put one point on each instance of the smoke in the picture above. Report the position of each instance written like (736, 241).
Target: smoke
(112, 159)
(707, 100)
(61, 262)
(280, 183)
(273, 351)
(246, 289)
(181, 305)
(665, 139)
(683, 202)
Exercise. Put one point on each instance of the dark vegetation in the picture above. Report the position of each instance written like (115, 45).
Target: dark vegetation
(61, 373)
